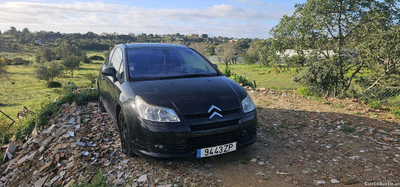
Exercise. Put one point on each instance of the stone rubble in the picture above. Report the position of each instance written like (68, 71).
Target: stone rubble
(78, 144)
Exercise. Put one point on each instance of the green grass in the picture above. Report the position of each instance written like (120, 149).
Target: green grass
(20, 88)
(264, 76)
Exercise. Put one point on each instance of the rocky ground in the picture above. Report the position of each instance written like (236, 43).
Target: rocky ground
(301, 142)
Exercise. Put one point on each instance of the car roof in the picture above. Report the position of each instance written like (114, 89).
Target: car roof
(152, 45)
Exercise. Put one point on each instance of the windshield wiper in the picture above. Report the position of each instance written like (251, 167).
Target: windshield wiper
(177, 76)
(190, 76)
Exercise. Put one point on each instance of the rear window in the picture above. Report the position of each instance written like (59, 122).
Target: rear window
(167, 62)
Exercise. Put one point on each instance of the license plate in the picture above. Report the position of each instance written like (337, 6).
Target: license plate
(216, 150)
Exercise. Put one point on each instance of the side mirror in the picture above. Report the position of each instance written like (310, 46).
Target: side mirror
(215, 65)
(110, 72)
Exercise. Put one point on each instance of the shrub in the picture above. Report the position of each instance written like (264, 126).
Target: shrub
(91, 78)
(303, 91)
(396, 112)
(226, 71)
(241, 80)
(53, 84)
(69, 87)
(48, 71)
(394, 101)
(375, 105)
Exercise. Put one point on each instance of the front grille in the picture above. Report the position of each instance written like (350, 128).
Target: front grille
(217, 125)
(209, 141)
(206, 115)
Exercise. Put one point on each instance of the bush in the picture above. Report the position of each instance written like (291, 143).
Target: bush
(226, 71)
(375, 105)
(91, 78)
(53, 85)
(241, 80)
(396, 113)
(394, 101)
(19, 61)
(48, 71)
(69, 87)
(303, 91)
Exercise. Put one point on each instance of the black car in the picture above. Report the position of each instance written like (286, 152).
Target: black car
(169, 101)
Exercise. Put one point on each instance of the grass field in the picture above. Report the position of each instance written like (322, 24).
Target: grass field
(20, 88)
(264, 76)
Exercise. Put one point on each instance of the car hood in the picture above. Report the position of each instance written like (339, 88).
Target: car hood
(189, 96)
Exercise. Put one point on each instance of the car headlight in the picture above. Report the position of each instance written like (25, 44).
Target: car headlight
(248, 104)
(155, 113)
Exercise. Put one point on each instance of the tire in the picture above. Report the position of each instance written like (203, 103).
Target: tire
(124, 135)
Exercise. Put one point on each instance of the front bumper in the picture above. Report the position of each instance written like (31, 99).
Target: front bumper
(169, 140)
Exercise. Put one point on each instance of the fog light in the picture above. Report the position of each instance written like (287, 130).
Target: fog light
(244, 133)
(160, 147)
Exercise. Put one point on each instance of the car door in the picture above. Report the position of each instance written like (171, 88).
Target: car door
(113, 87)
(103, 82)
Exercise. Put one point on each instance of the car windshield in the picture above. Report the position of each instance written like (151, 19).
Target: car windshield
(164, 63)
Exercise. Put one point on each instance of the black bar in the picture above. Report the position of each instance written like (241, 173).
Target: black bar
(7, 116)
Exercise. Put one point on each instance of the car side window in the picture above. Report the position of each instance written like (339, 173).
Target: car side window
(116, 59)
(120, 72)
(108, 60)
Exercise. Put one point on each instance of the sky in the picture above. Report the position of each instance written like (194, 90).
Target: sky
(228, 18)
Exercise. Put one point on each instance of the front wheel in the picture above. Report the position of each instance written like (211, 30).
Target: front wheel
(124, 135)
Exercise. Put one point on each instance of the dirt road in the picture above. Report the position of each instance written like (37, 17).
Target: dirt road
(301, 142)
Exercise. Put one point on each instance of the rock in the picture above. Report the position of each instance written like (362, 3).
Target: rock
(335, 181)
(319, 182)
(305, 171)
(119, 182)
(142, 178)
(351, 182)
(40, 182)
(46, 167)
(119, 175)
(260, 163)
(281, 173)
(70, 183)
(72, 121)
(23, 159)
(208, 165)
(11, 149)
(34, 132)
(253, 160)
(54, 179)
(260, 173)
(33, 155)
(80, 144)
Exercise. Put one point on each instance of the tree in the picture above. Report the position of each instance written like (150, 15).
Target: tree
(25, 31)
(380, 44)
(71, 62)
(226, 52)
(268, 52)
(44, 54)
(327, 31)
(251, 55)
(200, 47)
(12, 30)
(204, 35)
(48, 71)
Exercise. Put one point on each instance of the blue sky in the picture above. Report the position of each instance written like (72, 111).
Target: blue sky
(231, 18)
